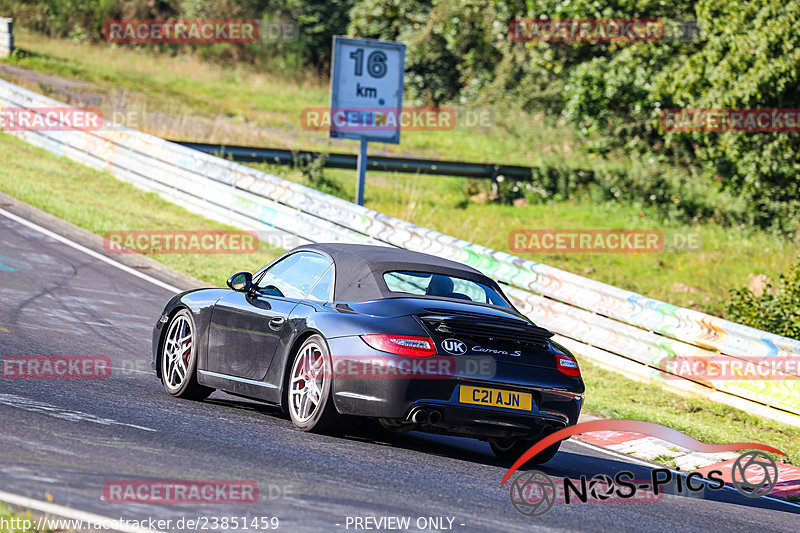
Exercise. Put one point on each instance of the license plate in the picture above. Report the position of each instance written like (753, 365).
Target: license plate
(522, 401)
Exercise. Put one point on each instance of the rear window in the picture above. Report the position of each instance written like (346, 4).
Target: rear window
(428, 284)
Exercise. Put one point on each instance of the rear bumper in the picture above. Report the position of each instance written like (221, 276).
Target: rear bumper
(478, 422)
(556, 398)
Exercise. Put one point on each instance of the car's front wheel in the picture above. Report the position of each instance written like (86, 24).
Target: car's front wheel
(310, 404)
(512, 449)
(179, 359)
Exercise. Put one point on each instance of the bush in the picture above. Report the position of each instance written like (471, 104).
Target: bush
(746, 59)
(84, 20)
(452, 45)
(776, 310)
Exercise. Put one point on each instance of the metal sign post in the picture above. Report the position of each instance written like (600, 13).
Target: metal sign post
(362, 171)
(366, 95)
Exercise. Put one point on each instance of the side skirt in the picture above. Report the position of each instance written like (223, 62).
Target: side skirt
(240, 386)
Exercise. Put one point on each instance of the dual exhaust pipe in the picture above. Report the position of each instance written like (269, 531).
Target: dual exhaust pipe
(422, 415)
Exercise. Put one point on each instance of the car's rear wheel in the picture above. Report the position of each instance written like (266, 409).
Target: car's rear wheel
(309, 398)
(512, 449)
(179, 359)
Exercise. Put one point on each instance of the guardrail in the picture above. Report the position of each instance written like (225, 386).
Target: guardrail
(6, 36)
(276, 156)
(619, 329)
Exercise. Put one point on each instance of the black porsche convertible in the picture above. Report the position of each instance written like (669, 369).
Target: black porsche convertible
(335, 331)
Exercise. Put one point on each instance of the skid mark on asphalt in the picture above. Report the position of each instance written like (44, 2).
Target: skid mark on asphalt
(20, 473)
(34, 406)
(50, 452)
(73, 315)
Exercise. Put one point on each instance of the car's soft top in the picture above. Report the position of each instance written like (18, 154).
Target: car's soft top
(360, 269)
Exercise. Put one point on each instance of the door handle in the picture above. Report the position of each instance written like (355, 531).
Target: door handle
(277, 323)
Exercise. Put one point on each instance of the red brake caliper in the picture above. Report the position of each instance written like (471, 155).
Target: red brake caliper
(303, 374)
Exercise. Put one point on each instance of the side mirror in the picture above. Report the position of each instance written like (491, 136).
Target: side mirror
(241, 281)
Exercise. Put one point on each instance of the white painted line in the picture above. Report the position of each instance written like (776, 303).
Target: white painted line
(35, 406)
(87, 251)
(642, 462)
(106, 523)
(51, 508)
(123, 369)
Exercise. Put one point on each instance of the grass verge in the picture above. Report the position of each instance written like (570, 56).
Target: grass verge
(96, 201)
(100, 203)
(12, 521)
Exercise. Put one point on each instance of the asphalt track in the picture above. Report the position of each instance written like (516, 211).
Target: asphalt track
(63, 440)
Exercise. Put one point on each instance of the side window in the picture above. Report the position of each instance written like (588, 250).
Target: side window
(294, 275)
(322, 290)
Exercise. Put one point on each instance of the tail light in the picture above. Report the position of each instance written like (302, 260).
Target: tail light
(568, 366)
(401, 344)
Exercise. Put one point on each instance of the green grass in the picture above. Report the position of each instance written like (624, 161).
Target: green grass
(12, 521)
(664, 460)
(99, 203)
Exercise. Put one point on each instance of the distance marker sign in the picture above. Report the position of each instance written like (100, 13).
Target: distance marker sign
(367, 89)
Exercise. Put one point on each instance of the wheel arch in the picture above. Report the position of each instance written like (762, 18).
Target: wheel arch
(163, 335)
(287, 364)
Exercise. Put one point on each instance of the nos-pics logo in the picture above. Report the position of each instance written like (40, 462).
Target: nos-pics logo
(533, 493)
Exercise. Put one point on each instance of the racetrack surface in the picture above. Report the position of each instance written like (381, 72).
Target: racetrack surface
(68, 438)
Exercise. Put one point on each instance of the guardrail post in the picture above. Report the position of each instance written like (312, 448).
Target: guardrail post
(6, 37)
(362, 169)
(495, 183)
